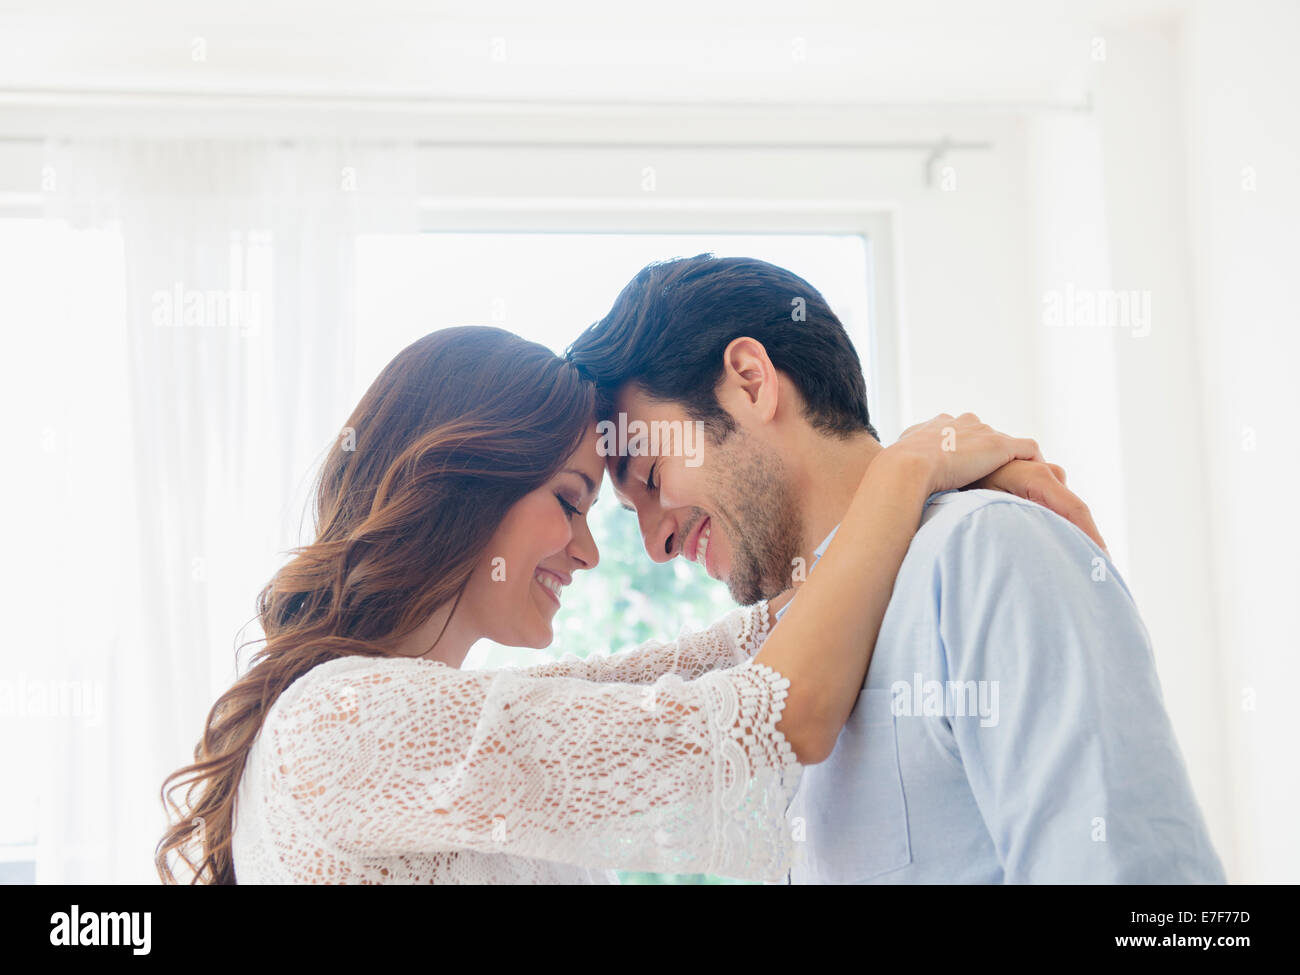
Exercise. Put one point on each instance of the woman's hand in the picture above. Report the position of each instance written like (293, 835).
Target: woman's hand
(953, 452)
(963, 452)
(1045, 484)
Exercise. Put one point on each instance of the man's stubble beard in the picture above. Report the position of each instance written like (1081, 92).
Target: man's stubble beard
(754, 496)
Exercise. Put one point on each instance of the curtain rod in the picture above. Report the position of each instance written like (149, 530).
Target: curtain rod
(72, 97)
(938, 146)
(936, 150)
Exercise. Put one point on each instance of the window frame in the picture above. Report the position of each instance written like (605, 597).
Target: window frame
(875, 224)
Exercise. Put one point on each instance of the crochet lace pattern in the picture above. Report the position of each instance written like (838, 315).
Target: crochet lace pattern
(662, 758)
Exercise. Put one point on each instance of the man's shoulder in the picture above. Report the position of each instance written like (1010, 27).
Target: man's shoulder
(997, 524)
(947, 510)
(966, 535)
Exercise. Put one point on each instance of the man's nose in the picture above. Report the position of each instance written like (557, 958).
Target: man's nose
(659, 539)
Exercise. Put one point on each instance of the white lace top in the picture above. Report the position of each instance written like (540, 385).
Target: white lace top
(663, 758)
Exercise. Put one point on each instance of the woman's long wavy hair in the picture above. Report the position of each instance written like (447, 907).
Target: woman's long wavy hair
(456, 429)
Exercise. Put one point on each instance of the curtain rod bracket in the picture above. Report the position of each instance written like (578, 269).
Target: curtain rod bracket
(936, 155)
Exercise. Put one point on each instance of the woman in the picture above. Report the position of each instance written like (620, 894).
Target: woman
(355, 750)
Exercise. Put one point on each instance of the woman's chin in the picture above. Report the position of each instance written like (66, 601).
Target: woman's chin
(542, 641)
(537, 637)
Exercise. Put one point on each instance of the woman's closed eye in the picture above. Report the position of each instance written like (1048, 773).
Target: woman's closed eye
(569, 509)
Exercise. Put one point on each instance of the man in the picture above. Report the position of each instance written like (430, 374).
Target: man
(1011, 728)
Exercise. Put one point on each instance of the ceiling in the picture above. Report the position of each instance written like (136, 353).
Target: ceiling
(669, 51)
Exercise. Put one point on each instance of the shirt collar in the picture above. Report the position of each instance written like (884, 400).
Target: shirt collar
(936, 498)
(817, 554)
(821, 549)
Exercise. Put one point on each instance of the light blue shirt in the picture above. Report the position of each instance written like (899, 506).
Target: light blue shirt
(1011, 728)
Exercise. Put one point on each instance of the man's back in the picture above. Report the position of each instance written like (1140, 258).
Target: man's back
(1011, 728)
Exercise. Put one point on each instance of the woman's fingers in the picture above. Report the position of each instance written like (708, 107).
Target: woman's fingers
(958, 450)
(1070, 506)
(1040, 482)
(1025, 449)
(957, 447)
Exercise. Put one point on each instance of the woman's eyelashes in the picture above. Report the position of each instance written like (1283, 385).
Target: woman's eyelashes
(569, 509)
(650, 478)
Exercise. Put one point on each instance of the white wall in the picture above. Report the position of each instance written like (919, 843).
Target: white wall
(1156, 386)
(1240, 78)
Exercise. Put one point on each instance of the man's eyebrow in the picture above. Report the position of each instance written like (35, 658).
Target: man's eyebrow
(620, 469)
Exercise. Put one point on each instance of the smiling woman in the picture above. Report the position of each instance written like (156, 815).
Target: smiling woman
(538, 545)
(449, 468)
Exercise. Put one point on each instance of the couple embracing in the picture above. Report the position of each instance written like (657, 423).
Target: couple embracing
(835, 728)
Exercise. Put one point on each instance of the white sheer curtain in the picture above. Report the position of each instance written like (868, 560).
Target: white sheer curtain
(1070, 257)
(213, 376)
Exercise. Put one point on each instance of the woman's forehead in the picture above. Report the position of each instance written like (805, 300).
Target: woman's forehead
(588, 460)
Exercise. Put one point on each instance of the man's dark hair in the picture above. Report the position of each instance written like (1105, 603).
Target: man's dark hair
(669, 326)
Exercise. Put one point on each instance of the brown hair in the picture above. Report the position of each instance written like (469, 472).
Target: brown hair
(458, 427)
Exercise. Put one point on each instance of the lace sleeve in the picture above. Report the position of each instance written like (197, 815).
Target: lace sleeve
(382, 757)
(730, 641)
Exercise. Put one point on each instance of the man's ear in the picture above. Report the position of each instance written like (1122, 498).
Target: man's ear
(749, 385)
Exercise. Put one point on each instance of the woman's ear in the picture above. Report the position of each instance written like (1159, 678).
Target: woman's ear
(750, 385)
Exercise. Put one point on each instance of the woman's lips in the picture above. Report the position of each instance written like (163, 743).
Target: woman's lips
(544, 576)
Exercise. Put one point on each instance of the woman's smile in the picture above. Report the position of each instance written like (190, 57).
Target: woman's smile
(550, 582)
